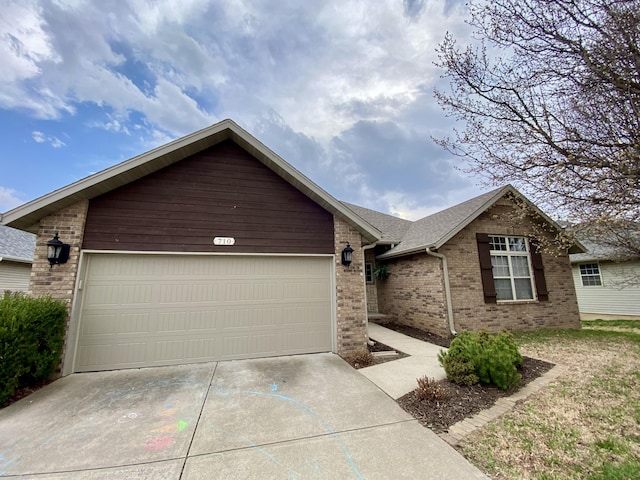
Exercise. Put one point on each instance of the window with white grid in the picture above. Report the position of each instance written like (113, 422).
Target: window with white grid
(511, 264)
(590, 274)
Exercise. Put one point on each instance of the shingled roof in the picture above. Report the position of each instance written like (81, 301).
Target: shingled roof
(437, 229)
(16, 245)
(393, 228)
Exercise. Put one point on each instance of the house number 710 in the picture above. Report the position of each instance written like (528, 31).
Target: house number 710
(224, 241)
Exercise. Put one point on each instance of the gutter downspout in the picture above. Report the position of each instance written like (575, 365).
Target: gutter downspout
(447, 289)
(366, 303)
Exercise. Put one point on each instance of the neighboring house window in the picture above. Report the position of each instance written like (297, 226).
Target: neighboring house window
(368, 272)
(590, 274)
(510, 267)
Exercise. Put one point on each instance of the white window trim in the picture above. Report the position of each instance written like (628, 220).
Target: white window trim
(582, 276)
(370, 267)
(510, 254)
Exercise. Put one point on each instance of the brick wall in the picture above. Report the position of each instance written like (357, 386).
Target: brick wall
(59, 281)
(414, 293)
(470, 311)
(350, 290)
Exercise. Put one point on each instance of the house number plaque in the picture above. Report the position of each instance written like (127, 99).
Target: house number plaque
(224, 241)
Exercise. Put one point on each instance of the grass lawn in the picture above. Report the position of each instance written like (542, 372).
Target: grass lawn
(586, 425)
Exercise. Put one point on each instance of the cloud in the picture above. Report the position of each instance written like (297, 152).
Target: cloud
(40, 137)
(9, 199)
(341, 89)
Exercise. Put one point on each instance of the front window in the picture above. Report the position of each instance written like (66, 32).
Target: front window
(368, 272)
(511, 268)
(590, 274)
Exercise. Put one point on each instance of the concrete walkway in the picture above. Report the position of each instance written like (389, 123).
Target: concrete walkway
(398, 377)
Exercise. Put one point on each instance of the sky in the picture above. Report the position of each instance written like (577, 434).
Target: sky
(342, 90)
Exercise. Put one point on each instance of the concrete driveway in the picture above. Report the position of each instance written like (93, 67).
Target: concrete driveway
(301, 417)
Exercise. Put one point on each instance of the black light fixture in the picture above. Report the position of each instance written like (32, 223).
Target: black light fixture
(347, 254)
(57, 252)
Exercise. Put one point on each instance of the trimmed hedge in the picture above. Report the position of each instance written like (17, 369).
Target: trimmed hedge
(31, 338)
(483, 357)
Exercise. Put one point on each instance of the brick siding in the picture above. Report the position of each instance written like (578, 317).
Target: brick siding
(59, 281)
(350, 291)
(414, 293)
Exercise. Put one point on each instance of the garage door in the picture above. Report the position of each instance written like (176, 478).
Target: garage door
(150, 310)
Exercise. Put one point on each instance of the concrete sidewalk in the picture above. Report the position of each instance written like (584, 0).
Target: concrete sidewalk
(398, 377)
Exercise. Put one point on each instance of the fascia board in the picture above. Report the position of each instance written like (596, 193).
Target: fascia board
(26, 216)
(15, 259)
(282, 168)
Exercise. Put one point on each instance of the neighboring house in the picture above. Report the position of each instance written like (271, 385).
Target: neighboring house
(606, 287)
(16, 255)
(212, 247)
(472, 266)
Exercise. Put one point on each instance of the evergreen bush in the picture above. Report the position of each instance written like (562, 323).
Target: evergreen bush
(31, 338)
(482, 357)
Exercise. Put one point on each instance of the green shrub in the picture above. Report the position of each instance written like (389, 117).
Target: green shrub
(482, 357)
(31, 338)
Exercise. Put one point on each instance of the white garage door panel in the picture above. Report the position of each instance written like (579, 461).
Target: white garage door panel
(146, 310)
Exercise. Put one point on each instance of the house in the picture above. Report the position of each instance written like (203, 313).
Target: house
(212, 247)
(16, 255)
(607, 281)
(472, 266)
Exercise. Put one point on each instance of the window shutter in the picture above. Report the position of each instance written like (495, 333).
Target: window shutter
(538, 272)
(486, 270)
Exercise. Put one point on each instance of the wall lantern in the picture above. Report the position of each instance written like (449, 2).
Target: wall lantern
(347, 254)
(57, 252)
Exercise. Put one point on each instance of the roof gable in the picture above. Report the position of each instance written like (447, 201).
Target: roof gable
(437, 229)
(27, 216)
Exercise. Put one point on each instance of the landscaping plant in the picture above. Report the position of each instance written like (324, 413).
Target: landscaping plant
(430, 390)
(482, 357)
(583, 426)
(31, 338)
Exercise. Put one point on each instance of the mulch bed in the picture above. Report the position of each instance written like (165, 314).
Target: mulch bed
(460, 401)
(26, 391)
(465, 401)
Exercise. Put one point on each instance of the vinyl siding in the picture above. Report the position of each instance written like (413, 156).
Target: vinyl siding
(619, 293)
(14, 276)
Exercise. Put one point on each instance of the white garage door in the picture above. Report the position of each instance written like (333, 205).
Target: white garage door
(150, 310)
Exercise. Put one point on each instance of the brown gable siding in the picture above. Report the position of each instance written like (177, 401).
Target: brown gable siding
(220, 192)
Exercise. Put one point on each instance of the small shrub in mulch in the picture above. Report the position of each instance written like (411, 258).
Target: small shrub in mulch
(429, 390)
(359, 359)
(462, 401)
(483, 357)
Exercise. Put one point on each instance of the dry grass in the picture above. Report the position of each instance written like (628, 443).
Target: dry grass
(585, 425)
